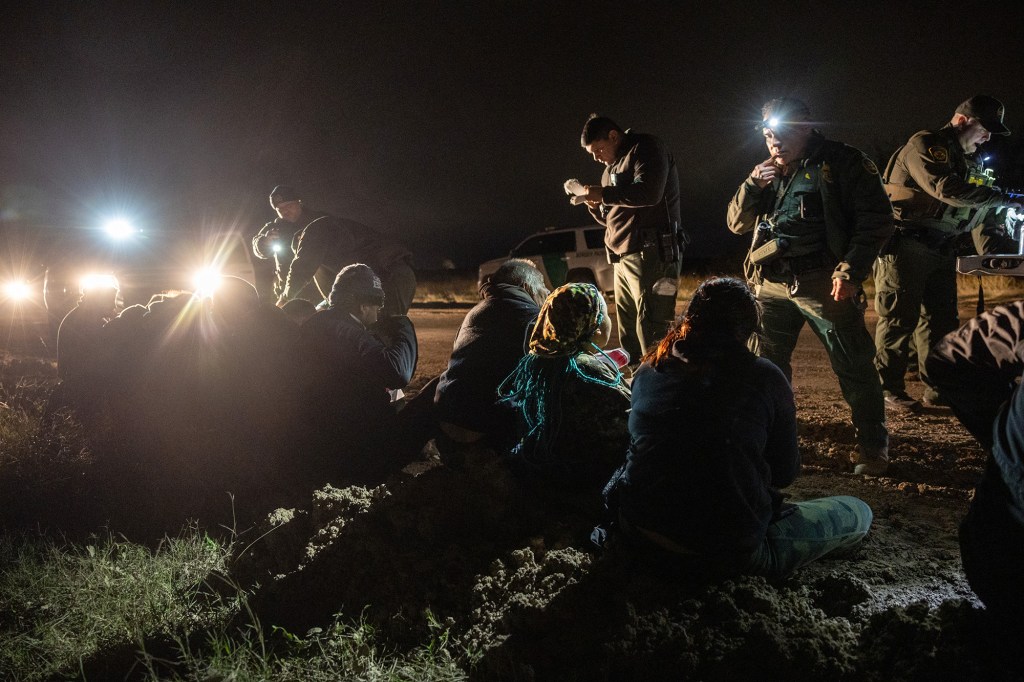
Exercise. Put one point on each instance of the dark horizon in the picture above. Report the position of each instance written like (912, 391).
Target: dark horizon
(452, 130)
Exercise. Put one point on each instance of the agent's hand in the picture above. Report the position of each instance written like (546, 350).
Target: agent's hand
(594, 195)
(843, 289)
(764, 173)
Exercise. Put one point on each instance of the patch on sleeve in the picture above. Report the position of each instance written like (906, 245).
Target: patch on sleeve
(826, 173)
(939, 154)
(870, 166)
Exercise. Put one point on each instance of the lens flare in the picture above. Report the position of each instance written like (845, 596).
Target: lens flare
(97, 280)
(118, 228)
(16, 290)
(206, 281)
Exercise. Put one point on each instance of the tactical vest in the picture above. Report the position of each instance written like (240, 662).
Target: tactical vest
(800, 211)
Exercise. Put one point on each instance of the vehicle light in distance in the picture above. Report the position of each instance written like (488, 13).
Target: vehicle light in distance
(206, 281)
(16, 290)
(97, 280)
(118, 228)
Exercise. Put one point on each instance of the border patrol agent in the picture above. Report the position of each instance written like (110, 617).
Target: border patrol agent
(819, 216)
(939, 193)
(638, 204)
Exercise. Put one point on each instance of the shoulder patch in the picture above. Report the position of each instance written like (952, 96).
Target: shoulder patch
(939, 154)
(869, 166)
(826, 173)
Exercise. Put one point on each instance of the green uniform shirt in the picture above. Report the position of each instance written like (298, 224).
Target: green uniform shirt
(927, 181)
(855, 216)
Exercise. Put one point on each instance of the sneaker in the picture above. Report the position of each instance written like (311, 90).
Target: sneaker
(901, 401)
(871, 460)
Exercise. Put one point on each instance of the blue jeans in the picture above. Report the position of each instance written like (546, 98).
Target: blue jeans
(810, 531)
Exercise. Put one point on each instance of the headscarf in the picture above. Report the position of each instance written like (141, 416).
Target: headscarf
(568, 320)
(566, 325)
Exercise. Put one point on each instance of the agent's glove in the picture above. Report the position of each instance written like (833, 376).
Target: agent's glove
(575, 187)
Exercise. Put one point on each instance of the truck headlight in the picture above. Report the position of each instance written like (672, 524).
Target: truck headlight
(16, 290)
(206, 281)
(98, 281)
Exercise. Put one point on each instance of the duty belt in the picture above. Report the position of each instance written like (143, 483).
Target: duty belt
(797, 265)
(930, 237)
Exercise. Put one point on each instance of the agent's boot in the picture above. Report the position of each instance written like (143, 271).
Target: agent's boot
(870, 460)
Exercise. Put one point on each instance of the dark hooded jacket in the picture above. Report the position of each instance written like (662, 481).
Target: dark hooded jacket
(489, 345)
(713, 438)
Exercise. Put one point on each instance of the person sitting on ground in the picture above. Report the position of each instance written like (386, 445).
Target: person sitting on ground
(489, 345)
(299, 310)
(572, 404)
(82, 361)
(354, 360)
(978, 370)
(714, 438)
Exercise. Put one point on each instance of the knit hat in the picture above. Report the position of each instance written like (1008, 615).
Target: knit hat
(356, 283)
(568, 320)
(282, 194)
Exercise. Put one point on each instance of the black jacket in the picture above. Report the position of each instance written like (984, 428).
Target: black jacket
(353, 367)
(489, 345)
(713, 439)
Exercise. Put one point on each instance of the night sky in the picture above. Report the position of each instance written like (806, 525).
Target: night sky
(453, 125)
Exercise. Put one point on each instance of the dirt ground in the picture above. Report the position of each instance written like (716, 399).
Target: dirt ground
(512, 577)
(521, 584)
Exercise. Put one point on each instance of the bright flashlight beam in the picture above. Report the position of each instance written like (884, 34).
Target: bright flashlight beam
(118, 228)
(206, 281)
(17, 290)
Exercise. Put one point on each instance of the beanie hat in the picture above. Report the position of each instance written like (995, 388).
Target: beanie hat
(356, 283)
(283, 193)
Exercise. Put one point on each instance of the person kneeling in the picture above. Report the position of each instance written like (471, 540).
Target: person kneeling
(713, 438)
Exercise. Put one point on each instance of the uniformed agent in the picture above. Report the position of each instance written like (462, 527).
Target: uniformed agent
(320, 245)
(638, 204)
(819, 216)
(273, 241)
(939, 193)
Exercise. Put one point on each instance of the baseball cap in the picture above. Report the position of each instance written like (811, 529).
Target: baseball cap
(988, 110)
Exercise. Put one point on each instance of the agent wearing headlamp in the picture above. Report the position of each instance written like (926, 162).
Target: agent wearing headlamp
(935, 202)
(823, 216)
(321, 245)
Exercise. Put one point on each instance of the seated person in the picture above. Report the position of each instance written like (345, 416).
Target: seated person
(353, 360)
(713, 432)
(572, 405)
(82, 361)
(978, 369)
(490, 343)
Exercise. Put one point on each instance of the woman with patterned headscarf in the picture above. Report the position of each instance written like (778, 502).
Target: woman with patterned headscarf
(572, 403)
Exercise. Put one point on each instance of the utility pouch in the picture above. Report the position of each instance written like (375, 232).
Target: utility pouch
(811, 206)
(769, 251)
